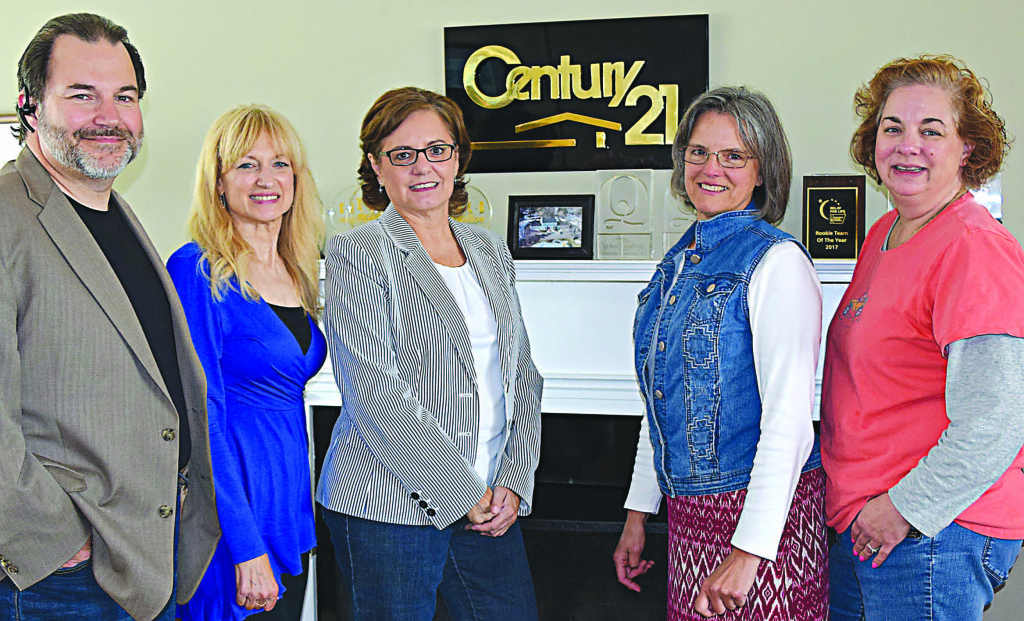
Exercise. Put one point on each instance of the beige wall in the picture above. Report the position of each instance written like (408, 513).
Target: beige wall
(322, 63)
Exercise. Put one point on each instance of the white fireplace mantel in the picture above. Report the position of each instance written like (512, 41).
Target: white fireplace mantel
(579, 316)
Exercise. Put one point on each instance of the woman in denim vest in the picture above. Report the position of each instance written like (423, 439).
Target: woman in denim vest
(726, 339)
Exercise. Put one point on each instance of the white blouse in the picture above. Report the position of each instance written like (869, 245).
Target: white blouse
(483, 334)
(785, 321)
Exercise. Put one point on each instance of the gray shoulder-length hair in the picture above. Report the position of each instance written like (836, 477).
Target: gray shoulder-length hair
(762, 134)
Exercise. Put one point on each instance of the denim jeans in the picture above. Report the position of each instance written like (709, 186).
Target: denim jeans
(73, 593)
(949, 577)
(393, 572)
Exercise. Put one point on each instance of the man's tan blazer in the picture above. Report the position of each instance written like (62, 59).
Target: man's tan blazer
(88, 432)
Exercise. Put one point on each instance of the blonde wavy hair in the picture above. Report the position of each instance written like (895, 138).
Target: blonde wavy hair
(210, 224)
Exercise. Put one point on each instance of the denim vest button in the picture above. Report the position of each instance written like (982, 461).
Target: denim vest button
(661, 346)
(658, 394)
(695, 259)
(671, 300)
(711, 287)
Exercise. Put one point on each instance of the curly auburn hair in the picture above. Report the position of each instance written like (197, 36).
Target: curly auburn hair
(385, 115)
(977, 123)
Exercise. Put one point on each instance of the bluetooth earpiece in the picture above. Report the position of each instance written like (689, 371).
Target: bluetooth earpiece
(26, 109)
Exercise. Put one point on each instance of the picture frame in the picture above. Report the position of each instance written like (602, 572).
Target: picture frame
(551, 226)
(9, 147)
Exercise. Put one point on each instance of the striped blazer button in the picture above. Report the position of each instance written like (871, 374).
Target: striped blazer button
(423, 504)
(431, 512)
(414, 496)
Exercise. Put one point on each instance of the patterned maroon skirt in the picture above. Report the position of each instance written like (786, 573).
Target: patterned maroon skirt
(793, 588)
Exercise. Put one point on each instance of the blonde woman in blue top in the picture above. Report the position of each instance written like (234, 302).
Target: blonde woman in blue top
(250, 288)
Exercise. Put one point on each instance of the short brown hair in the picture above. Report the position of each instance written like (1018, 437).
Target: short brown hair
(34, 66)
(385, 115)
(977, 123)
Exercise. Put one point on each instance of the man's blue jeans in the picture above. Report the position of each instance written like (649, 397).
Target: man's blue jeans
(73, 593)
(65, 594)
(949, 577)
(393, 572)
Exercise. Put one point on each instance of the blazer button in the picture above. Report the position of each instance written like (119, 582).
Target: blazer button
(11, 569)
(168, 434)
(414, 496)
(431, 512)
(165, 511)
(658, 394)
(423, 504)
(695, 259)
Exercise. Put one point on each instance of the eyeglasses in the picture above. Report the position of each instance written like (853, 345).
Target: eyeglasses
(407, 156)
(727, 158)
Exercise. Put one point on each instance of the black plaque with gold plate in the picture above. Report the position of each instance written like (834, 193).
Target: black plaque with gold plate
(602, 94)
(833, 216)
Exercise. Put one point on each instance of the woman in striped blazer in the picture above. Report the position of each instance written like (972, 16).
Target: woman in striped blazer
(433, 456)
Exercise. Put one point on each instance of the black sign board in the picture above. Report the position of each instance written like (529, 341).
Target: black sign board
(582, 95)
(833, 216)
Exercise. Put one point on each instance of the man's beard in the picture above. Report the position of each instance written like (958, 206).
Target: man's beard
(68, 151)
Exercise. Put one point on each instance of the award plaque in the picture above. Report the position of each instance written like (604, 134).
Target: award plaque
(347, 211)
(833, 216)
(624, 229)
(478, 209)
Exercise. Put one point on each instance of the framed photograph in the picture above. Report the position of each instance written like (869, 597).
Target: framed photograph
(9, 147)
(557, 226)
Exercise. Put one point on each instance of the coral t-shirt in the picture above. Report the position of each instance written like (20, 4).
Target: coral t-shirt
(883, 394)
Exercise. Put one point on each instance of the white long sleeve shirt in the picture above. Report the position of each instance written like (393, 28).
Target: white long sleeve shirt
(785, 322)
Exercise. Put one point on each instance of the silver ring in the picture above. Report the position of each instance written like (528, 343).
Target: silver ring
(873, 551)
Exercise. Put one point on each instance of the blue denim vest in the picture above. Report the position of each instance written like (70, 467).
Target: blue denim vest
(695, 360)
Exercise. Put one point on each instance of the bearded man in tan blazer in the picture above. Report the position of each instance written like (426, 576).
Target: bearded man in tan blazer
(102, 398)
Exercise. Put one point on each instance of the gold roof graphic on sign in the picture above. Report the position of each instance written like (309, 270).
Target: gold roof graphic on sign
(546, 144)
(568, 116)
(523, 144)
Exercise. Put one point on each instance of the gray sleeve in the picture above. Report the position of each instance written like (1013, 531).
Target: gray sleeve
(984, 397)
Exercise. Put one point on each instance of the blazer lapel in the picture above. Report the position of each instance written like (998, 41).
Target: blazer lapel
(421, 268)
(487, 267)
(76, 244)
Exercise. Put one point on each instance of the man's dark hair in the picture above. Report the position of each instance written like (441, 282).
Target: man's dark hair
(34, 66)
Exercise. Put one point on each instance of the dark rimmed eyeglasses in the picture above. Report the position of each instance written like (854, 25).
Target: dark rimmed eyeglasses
(727, 158)
(407, 156)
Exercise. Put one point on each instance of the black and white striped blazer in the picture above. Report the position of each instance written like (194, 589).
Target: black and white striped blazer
(403, 448)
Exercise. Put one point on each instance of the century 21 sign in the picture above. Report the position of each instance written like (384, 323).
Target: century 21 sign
(587, 95)
(609, 80)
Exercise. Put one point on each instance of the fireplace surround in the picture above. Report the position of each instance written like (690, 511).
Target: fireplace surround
(579, 318)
